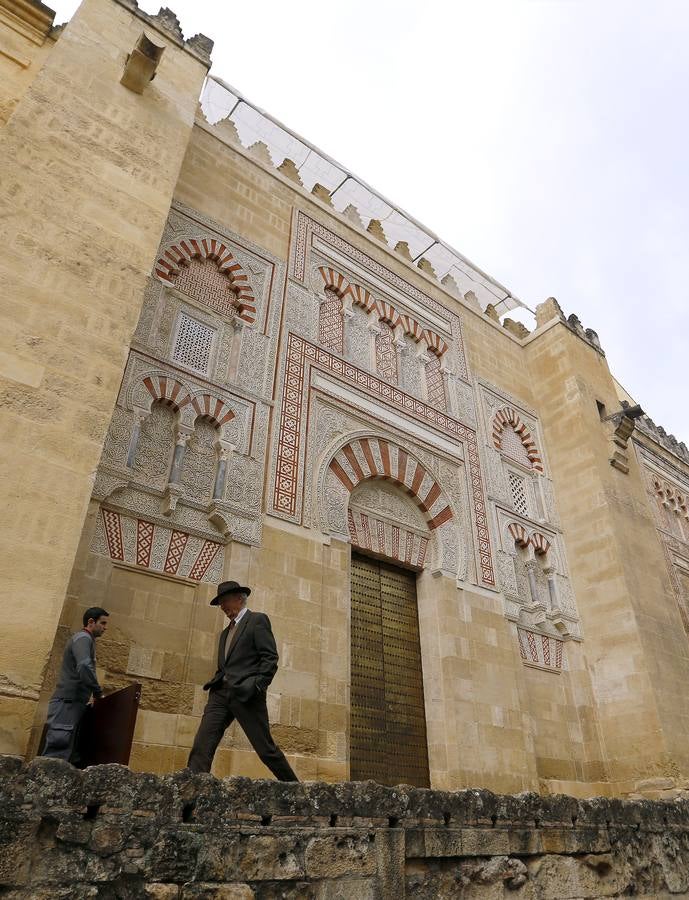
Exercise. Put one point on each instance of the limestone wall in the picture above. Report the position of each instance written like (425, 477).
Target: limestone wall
(26, 39)
(550, 601)
(88, 172)
(490, 720)
(635, 642)
(107, 832)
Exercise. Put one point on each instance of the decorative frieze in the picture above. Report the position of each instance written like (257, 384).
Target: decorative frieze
(540, 650)
(398, 542)
(310, 234)
(151, 546)
(302, 358)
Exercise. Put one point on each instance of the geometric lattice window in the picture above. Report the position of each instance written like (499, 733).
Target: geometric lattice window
(518, 492)
(512, 446)
(386, 354)
(331, 323)
(434, 383)
(193, 343)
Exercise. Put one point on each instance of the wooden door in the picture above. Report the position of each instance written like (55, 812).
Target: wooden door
(388, 718)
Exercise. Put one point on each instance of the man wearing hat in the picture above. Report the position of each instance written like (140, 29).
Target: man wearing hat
(247, 663)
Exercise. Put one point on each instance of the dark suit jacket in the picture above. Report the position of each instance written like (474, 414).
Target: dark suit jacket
(252, 661)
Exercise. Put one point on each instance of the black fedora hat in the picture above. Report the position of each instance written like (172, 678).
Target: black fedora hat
(229, 587)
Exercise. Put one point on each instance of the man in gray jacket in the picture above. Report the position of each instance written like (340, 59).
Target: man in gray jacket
(77, 686)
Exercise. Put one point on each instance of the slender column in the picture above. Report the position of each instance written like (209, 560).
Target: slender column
(182, 438)
(398, 338)
(224, 450)
(347, 308)
(552, 589)
(531, 575)
(173, 491)
(374, 331)
(237, 326)
(141, 415)
(446, 374)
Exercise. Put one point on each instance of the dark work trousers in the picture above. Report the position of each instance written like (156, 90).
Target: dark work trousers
(63, 721)
(221, 710)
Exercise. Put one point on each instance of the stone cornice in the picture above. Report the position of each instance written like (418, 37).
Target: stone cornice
(31, 17)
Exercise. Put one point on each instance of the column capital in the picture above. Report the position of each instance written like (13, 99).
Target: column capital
(225, 449)
(183, 435)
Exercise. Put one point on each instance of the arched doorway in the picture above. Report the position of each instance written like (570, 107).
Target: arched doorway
(399, 522)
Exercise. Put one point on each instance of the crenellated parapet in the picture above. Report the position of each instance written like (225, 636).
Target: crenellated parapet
(165, 20)
(657, 433)
(551, 310)
(326, 181)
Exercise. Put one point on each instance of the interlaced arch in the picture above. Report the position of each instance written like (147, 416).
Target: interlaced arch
(176, 395)
(179, 255)
(364, 458)
(509, 417)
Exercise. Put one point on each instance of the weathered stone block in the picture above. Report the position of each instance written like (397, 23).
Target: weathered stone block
(439, 842)
(282, 890)
(219, 854)
(274, 857)
(16, 840)
(348, 889)
(193, 836)
(74, 831)
(555, 877)
(107, 839)
(217, 892)
(484, 841)
(173, 855)
(336, 855)
(415, 843)
(525, 841)
(157, 891)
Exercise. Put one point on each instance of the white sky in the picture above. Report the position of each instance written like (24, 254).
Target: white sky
(547, 140)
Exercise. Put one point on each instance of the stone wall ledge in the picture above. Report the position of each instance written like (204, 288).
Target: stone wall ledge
(111, 832)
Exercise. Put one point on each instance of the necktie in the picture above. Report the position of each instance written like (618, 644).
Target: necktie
(229, 638)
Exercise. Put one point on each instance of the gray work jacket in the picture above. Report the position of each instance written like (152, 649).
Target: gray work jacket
(78, 678)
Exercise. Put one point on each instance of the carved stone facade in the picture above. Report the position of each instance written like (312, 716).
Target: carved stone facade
(531, 556)
(668, 492)
(227, 371)
(186, 446)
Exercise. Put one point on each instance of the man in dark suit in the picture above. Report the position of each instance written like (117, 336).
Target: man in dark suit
(247, 663)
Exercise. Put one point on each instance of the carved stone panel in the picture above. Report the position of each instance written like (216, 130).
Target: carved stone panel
(118, 438)
(150, 545)
(243, 484)
(358, 338)
(463, 399)
(155, 447)
(255, 372)
(411, 374)
(198, 472)
(301, 311)
(381, 498)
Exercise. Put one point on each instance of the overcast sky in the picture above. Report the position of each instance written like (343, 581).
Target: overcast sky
(546, 140)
